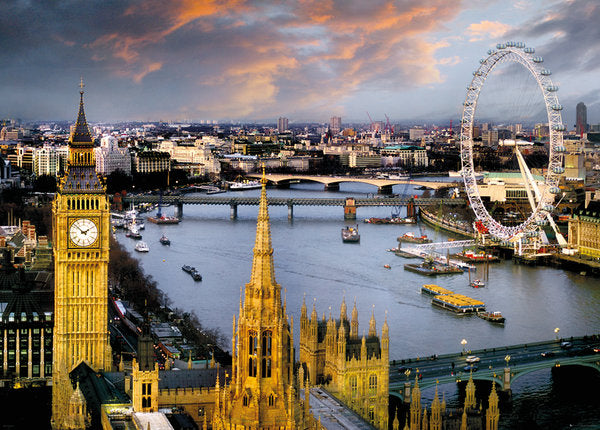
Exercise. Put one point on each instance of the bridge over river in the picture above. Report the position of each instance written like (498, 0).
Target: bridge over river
(234, 202)
(384, 186)
(502, 364)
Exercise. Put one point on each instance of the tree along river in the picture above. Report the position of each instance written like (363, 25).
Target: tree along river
(311, 260)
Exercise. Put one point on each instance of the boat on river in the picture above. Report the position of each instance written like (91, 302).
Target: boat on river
(495, 317)
(164, 240)
(350, 234)
(411, 238)
(471, 256)
(142, 247)
(458, 303)
(163, 219)
(392, 220)
(477, 283)
(133, 233)
(434, 290)
(431, 268)
(188, 269)
(244, 185)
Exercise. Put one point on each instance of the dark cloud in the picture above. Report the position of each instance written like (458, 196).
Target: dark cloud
(572, 31)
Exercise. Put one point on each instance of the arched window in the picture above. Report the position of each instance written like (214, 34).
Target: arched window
(266, 349)
(271, 400)
(245, 400)
(252, 367)
(373, 385)
(353, 387)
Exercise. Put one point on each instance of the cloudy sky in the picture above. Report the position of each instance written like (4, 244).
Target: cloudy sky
(250, 60)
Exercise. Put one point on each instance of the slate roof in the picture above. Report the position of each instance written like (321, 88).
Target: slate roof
(189, 378)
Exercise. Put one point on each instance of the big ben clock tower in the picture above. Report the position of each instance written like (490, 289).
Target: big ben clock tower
(80, 225)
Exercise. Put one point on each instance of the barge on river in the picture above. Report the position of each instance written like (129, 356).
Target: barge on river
(458, 303)
(435, 290)
(432, 269)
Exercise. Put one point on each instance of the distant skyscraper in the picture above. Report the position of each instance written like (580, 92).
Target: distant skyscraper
(335, 124)
(282, 124)
(581, 114)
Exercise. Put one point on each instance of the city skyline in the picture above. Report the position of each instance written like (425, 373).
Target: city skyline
(235, 60)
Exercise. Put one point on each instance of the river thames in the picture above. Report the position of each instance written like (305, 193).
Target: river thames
(311, 261)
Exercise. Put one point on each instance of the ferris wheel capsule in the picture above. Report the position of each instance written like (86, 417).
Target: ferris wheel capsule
(501, 46)
(552, 88)
(545, 72)
(491, 52)
(554, 190)
(558, 170)
(556, 107)
(548, 208)
(538, 59)
(541, 222)
(560, 149)
(520, 45)
(559, 127)
(529, 50)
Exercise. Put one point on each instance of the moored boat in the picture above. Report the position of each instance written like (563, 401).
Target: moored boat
(244, 185)
(434, 290)
(133, 233)
(411, 238)
(495, 317)
(142, 247)
(350, 234)
(188, 269)
(164, 219)
(393, 220)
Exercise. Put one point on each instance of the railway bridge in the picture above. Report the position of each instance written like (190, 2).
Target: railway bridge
(349, 203)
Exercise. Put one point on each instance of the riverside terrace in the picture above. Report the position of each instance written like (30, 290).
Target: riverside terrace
(501, 364)
(347, 203)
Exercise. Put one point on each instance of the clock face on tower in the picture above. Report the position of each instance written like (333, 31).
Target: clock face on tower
(83, 232)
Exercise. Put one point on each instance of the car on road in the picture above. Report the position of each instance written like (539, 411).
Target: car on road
(596, 348)
(470, 368)
(548, 354)
(403, 369)
(566, 345)
(472, 359)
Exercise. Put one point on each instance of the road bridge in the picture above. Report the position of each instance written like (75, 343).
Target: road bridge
(501, 364)
(234, 202)
(384, 186)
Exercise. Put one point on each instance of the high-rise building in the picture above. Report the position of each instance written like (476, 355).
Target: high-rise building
(50, 160)
(110, 157)
(282, 124)
(335, 124)
(81, 226)
(581, 118)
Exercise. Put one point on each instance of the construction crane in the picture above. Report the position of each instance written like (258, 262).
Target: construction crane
(388, 127)
(373, 125)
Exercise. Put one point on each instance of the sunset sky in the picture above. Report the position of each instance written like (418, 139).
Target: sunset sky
(307, 60)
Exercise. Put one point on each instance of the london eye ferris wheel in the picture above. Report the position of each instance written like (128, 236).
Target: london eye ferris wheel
(541, 199)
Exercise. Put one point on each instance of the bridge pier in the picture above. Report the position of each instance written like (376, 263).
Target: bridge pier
(506, 381)
(406, 393)
(332, 187)
(290, 211)
(350, 208)
(179, 211)
(385, 189)
(233, 212)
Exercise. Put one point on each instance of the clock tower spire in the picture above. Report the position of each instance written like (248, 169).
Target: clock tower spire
(80, 228)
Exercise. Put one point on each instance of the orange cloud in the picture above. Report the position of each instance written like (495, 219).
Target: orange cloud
(486, 30)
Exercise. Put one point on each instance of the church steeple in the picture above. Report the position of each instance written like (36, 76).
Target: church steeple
(263, 273)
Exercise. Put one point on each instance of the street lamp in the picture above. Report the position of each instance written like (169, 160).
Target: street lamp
(556, 331)
(463, 343)
(507, 359)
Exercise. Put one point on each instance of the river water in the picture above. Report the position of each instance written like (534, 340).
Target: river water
(311, 261)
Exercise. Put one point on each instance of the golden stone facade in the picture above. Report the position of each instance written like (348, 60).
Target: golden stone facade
(262, 393)
(81, 228)
(584, 230)
(356, 370)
